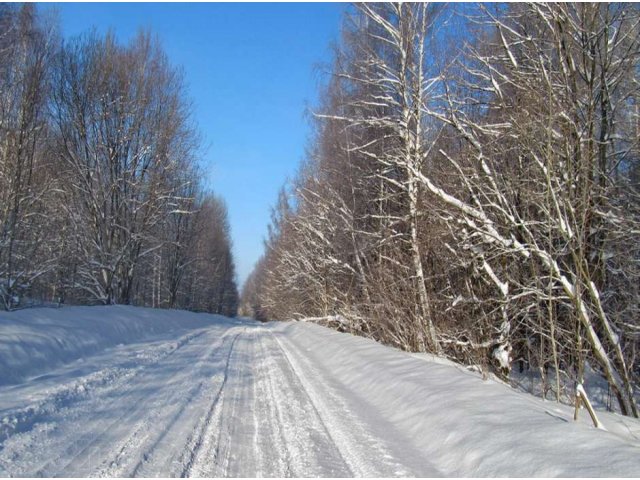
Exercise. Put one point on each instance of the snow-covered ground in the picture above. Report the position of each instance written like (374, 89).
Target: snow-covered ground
(122, 391)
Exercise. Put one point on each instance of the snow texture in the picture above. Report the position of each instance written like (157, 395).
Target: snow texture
(35, 340)
(140, 392)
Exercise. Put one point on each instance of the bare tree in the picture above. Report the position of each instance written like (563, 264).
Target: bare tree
(123, 131)
(506, 190)
(26, 187)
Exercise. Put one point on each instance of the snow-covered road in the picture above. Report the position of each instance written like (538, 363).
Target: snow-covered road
(238, 398)
(228, 400)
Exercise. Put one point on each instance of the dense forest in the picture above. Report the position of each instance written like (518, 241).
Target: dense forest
(472, 189)
(101, 197)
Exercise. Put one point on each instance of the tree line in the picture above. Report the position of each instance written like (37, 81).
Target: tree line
(101, 197)
(472, 189)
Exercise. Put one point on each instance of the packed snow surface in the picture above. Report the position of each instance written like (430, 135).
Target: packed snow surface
(123, 391)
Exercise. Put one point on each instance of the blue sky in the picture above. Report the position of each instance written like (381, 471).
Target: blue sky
(251, 71)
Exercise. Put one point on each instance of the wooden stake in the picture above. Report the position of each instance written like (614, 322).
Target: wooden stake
(581, 396)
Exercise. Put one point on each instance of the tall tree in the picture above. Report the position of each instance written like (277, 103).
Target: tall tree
(27, 189)
(124, 134)
(506, 190)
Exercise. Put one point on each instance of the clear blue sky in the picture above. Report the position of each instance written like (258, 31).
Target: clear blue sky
(251, 74)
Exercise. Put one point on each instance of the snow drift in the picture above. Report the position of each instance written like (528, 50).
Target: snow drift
(276, 399)
(33, 341)
(464, 425)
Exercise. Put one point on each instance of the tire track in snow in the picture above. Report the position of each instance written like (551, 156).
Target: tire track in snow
(194, 459)
(144, 440)
(155, 459)
(237, 401)
(65, 396)
(260, 427)
(267, 420)
(365, 454)
(86, 448)
(231, 424)
(309, 449)
(39, 435)
(262, 422)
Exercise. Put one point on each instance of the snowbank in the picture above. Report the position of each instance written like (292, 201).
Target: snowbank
(34, 341)
(466, 426)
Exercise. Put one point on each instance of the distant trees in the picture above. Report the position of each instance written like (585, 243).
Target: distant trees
(101, 198)
(479, 201)
(194, 268)
(210, 278)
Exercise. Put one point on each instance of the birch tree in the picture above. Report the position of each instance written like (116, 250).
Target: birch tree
(541, 178)
(506, 190)
(391, 63)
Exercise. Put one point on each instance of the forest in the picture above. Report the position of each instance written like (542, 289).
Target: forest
(472, 189)
(101, 193)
